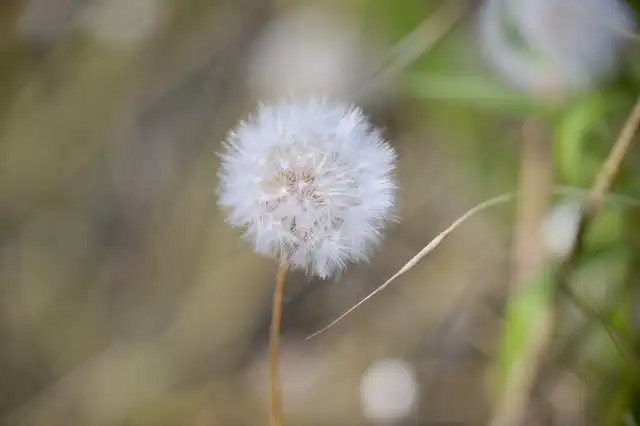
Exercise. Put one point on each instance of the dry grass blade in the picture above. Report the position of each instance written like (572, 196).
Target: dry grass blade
(426, 250)
(600, 189)
(419, 41)
(435, 242)
(596, 198)
(610, 168)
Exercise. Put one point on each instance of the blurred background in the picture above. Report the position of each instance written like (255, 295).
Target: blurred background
(125, 298)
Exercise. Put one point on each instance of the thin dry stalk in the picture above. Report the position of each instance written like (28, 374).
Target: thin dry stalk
(512, 407)
(536, 191)
(599, 191)
(419, 41)
(610, 168)
(593, 204)
(275, 392)
(435, 242)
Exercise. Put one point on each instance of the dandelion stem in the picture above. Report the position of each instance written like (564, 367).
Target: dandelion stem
(275, 397)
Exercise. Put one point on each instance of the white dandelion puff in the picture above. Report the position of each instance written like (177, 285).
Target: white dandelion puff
(312, 183)
(550, 45)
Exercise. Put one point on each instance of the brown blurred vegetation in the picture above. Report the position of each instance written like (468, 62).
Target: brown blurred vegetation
(127, 300)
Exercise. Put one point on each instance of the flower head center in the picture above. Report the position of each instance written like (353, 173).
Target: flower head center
(296, 195)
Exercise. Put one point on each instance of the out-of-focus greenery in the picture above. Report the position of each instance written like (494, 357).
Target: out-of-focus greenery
(583, 131)
(126, 299)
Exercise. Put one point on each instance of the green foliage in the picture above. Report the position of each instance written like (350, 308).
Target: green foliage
(576, 136)
(607, 230)
(526, 312)
(472, 90)
(464, 102)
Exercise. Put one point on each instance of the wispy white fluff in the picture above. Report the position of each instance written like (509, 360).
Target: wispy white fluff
(312, 183)
(547, 45)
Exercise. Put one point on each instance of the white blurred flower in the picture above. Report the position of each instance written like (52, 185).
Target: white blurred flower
(560, 228)
(124, 23)
(389, 390)
(312, 183)
(310, 50)
(554, 45)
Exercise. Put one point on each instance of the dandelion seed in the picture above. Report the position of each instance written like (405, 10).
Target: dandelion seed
(552, 45)
(312, 183)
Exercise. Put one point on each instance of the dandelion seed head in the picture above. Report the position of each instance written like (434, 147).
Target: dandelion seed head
(546, 45)
(312, 183)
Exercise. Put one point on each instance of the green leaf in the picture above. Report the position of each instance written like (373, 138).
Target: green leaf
(575, 127)
(472, 90)
(607, 229)
(527, 311)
